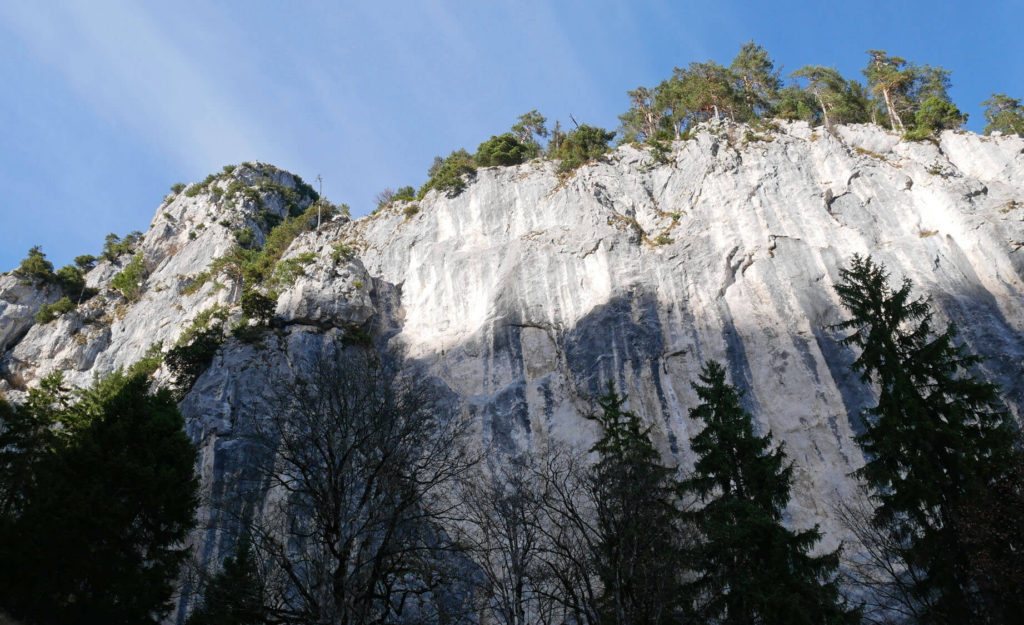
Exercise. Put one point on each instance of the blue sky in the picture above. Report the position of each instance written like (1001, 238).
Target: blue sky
(106, 104)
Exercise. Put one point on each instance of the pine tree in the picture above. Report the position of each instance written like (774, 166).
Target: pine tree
(529, 127)
(937, 440)
(581, 145)
(750, 568)
(889, 77)
(838, 100)
(639, 552)
(1004, 114)
(234, 596)
(757, 79)
(34, 268)
(644, 118)
(706, 90)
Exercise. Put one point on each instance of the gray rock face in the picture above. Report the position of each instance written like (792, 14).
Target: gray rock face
(19, 302)
(528, 291)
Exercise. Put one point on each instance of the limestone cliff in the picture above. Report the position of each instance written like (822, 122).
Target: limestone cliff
(527, 291)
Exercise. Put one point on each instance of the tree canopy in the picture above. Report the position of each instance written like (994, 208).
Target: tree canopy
(936, 440)
(1004, 114)
(750, 567)
(93, 530)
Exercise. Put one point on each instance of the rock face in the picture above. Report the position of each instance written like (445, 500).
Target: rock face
(527, 291)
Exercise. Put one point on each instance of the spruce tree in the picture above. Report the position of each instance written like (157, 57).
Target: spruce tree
(95, 533)
(750, 568)
(234, 596)
(639, 551)
(937, 440)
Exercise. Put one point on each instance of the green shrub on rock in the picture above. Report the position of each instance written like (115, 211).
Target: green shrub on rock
(187, 362)
(406, 193)
(129, 281)
(34, 268)
(72, 281)
(447, 177)
(245, 237)
(342, 252)
(257, 306)
(49, 312)
(503, 150)
(85, 262)
(114, 246)
(582, 145)
(935, 114)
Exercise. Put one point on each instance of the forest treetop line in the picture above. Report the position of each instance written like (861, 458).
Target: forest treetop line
(900, 95)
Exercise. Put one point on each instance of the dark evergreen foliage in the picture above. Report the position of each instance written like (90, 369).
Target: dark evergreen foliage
(908, 97)
(828, 98)
(34, 268)
(757, 80)
(187, 362)
(405, 193)
(235, 595)
(129, 281)
(95, 533)
(258, 306)
(639, 552)
(85, 262)
(448, 177)
(114, 246)
(937, 441)
(49, 312)
(72, 281)
(750, 568)
(581, 145)
(503, 150)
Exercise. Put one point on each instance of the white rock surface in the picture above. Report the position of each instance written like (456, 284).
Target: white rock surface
(528, 291)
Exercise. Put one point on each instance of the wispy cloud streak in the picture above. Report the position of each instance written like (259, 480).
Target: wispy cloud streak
(132, 72)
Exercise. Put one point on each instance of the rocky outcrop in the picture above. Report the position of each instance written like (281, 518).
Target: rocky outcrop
(529, 290)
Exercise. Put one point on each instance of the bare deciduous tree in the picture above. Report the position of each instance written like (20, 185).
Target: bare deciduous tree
(571, 534)
(874, 567)
(384, 197)
(498, 525)
(529, 525)
(356, 458)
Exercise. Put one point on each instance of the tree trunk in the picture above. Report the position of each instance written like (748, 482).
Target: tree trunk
(824, 110)
(894, 119)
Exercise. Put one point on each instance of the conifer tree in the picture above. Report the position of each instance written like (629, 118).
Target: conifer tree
(640, 550)
(838, 100)
(706, 89)
(750, 568)
(34, 268)
(757, 79)
(937, 440)
(889, 78)
(580, 146)
(96, 536)
(234, 596)
(529, 127)
(643, 119)
(1004, 114)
